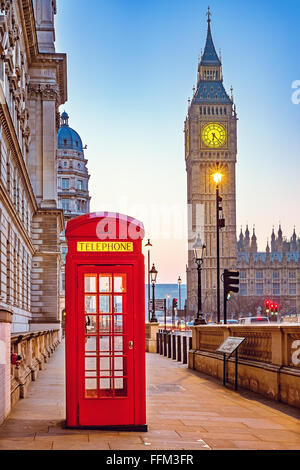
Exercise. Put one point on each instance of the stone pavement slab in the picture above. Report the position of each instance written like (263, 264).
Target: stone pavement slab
(186, 410)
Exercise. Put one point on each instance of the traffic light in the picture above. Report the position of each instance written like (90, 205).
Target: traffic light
(276, 308)
(221, 222)
(175, 304)
(231, 282)
(268, 306)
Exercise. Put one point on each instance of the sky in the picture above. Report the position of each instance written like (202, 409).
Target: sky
(131, 69)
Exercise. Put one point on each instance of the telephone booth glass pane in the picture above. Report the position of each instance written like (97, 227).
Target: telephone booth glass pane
(105, 324)
(90, 284)
(118, 304)
(90, 345)
(90, 324)
(105, 304)
(105, 283)
(105, 335)
(120, 283)
(90, 304)
(118, 324)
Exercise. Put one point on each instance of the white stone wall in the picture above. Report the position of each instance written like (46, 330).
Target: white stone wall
(5, 369)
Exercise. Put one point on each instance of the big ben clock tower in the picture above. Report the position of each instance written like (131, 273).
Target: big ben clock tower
(210, 147)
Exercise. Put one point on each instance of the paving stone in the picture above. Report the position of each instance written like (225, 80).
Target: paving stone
(258, 445)
(74, 445)
(10, 444)
(117, 440)
(280, 436)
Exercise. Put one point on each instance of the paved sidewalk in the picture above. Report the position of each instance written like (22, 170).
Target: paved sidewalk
(186, 410)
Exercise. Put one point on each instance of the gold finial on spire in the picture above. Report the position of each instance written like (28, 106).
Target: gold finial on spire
(208, 14)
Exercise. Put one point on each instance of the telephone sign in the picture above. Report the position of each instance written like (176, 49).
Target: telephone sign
(105, 323)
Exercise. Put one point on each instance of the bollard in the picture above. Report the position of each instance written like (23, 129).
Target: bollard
(184, 345)
(190, 343)
(169, 346)
(165, 344)
(157, 343)
(160, 343)
(178, 348)
(174, 346)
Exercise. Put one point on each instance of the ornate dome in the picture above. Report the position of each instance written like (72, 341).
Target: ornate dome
(67, 138)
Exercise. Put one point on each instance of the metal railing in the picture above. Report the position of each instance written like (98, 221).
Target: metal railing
(173, 345)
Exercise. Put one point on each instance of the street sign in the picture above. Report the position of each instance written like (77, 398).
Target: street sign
(160, 305)
(230, 345)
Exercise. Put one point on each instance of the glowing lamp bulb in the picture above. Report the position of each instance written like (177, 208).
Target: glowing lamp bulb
(218, 178)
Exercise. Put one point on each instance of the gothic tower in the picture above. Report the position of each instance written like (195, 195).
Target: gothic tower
(210, 146)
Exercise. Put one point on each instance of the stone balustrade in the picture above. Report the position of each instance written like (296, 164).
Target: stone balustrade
(35, 350)
(269, 359)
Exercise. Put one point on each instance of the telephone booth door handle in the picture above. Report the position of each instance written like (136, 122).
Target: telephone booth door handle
(130, 345)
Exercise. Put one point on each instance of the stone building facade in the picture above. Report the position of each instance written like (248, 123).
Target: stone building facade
(271, 275)
(72, 185)
(210, 146)
(33, 84)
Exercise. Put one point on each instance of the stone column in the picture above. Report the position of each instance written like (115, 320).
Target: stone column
(151, 332)
(47, 225)
(5, 366)
(48, 221)
(44, 15)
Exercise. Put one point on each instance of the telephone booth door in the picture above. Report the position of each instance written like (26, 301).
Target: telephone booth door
(106, 346)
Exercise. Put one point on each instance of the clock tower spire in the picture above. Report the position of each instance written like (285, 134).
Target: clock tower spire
(210, 144)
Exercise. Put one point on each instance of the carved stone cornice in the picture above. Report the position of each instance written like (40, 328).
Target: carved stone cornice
(46, 91)
(58, 213)
(3, 33)
(5, 315)
(59, 62)
(28, 26)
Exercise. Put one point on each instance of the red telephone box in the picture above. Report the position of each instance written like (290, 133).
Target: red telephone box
(105, 323)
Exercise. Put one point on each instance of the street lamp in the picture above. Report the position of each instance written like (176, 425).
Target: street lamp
(153, 277)
(149, 289)
(199, 251)
(168, 297)
(220, 224)
(179, 291)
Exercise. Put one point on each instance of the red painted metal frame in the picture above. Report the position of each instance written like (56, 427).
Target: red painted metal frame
(85, 228)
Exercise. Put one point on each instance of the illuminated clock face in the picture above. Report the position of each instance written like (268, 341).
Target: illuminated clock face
(214, 135)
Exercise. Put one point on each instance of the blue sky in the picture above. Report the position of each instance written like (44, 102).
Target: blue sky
(131, 69)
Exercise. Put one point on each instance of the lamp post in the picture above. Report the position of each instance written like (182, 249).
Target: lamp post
(153, 277)
(220, 224)
(199, 250)
(168, 297)
(179, 291)
(149, 288)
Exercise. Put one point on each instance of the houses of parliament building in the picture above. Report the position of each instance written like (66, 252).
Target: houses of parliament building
(210, 147)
